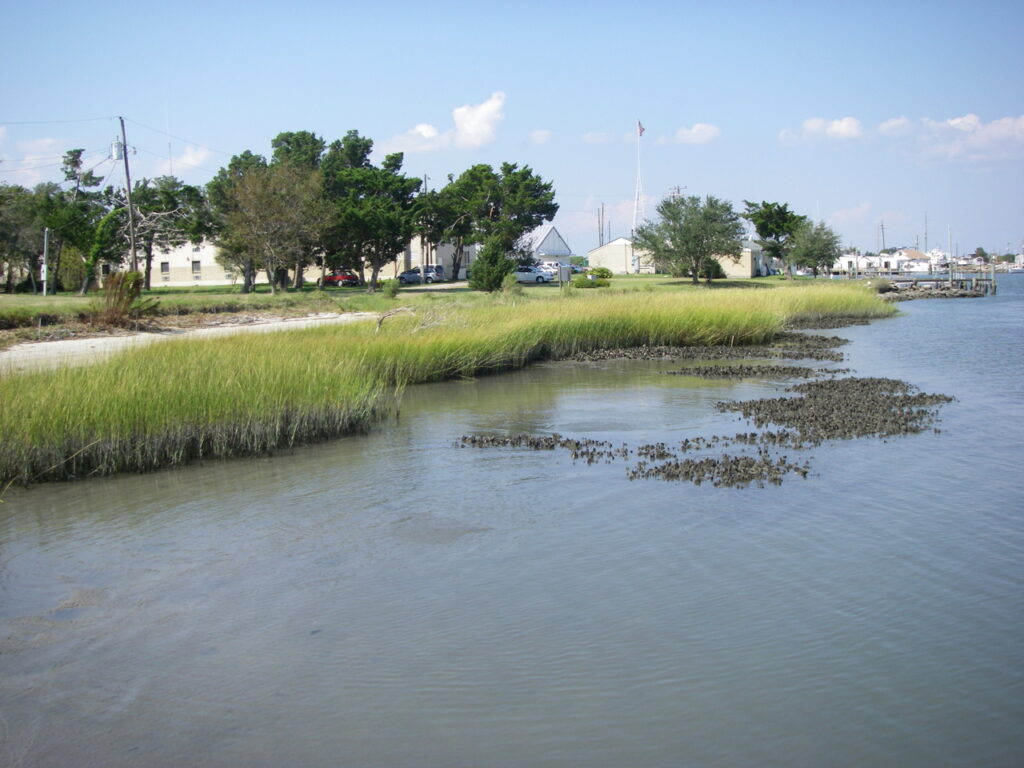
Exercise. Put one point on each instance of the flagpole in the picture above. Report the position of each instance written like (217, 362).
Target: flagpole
(638, 197)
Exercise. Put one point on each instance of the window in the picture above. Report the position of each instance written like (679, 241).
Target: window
(197, 270)
(165, 270)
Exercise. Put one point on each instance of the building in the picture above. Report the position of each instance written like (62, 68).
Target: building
(192, 265)
(197, 265)
(620, 257)
(551, 246)
(750, 264)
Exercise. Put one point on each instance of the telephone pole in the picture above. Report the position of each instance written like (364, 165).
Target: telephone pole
(128, 193)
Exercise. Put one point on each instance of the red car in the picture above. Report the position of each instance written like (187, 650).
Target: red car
(342, 277)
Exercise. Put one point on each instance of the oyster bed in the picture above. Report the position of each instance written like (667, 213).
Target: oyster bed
(808, 414)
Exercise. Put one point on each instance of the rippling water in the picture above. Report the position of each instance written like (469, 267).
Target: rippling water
(392, 600)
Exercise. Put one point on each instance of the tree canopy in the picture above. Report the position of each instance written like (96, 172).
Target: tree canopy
(776, 227)
(815, 247)
(691, 234)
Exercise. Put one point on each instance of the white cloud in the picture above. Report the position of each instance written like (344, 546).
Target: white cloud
(190, 157)
(845, 128)
(896, 126)
(540, 136)
(474, 126)
(968, 137)
(700, 133)
(857, 214)
(816, 128)
(596, 137)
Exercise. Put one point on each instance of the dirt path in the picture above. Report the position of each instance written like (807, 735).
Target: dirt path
(42, 355)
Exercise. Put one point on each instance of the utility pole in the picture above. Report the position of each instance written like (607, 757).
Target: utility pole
(128, 192)
(46, 255)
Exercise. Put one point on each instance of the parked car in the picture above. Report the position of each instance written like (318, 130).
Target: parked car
(342, 277)
(432, 273)
(531, 275)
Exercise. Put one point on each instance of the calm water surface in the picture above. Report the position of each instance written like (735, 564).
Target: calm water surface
(393, 600)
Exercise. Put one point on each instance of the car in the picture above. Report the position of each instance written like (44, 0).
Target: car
(342, 277)
(432, 273)
(531, 275)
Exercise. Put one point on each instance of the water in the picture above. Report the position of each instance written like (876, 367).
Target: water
(393, 600)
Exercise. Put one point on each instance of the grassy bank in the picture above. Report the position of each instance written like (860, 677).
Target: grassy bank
(166, 405)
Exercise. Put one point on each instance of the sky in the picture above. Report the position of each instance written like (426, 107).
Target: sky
(900, 117)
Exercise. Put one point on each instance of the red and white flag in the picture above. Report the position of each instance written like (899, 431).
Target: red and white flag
(639, 128)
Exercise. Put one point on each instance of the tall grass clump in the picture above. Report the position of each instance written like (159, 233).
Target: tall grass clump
(168, 404)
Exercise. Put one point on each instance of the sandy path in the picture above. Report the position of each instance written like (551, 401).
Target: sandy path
(53, 354)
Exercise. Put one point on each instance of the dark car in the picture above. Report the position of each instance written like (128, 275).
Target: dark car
(342, 277)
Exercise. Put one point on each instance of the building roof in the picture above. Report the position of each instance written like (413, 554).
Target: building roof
(550, 243)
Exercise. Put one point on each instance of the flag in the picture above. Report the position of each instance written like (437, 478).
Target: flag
(639, 128)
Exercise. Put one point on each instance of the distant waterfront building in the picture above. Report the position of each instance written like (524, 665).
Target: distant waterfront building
(623, 259)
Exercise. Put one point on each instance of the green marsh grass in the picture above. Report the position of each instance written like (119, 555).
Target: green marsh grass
(165, 405)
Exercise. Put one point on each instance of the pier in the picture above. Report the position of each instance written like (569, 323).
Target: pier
(975, 284)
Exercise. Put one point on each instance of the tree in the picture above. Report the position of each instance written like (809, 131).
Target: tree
(497, 209)
(816, 247)
(84, 181)
(301, 148)
(20, 234)
(690, 235)
(107, 244)
(274, 215)
(168, 214)
(220, 195)
(371, 207)
(776, 226)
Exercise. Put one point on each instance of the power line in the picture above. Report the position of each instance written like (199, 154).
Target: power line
(179, 138)
(53, 122)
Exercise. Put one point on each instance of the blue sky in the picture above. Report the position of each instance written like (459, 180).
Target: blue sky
(854, 114)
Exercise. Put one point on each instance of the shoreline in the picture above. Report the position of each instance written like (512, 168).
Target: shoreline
(85, 350)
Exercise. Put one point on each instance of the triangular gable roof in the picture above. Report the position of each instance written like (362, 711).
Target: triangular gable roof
(552, 244)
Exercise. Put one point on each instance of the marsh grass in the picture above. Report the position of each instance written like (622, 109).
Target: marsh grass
(168, 404)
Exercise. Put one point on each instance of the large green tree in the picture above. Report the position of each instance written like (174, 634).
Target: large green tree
(20, 235)
(300, 148)
(503, 207)
(372, 208)
(275, 216)
(815, 247)
(690, 234)
(220, 193)
(776, 228)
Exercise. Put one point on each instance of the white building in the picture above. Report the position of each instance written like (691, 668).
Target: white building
(192, 265)
(622, 259)
(197, 265)
(551, 246)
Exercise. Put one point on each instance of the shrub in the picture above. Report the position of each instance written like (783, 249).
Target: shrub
(122, 303)
(581, 281)
(601, 272)
(511, 286)
(490, 267)
(390, 288)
